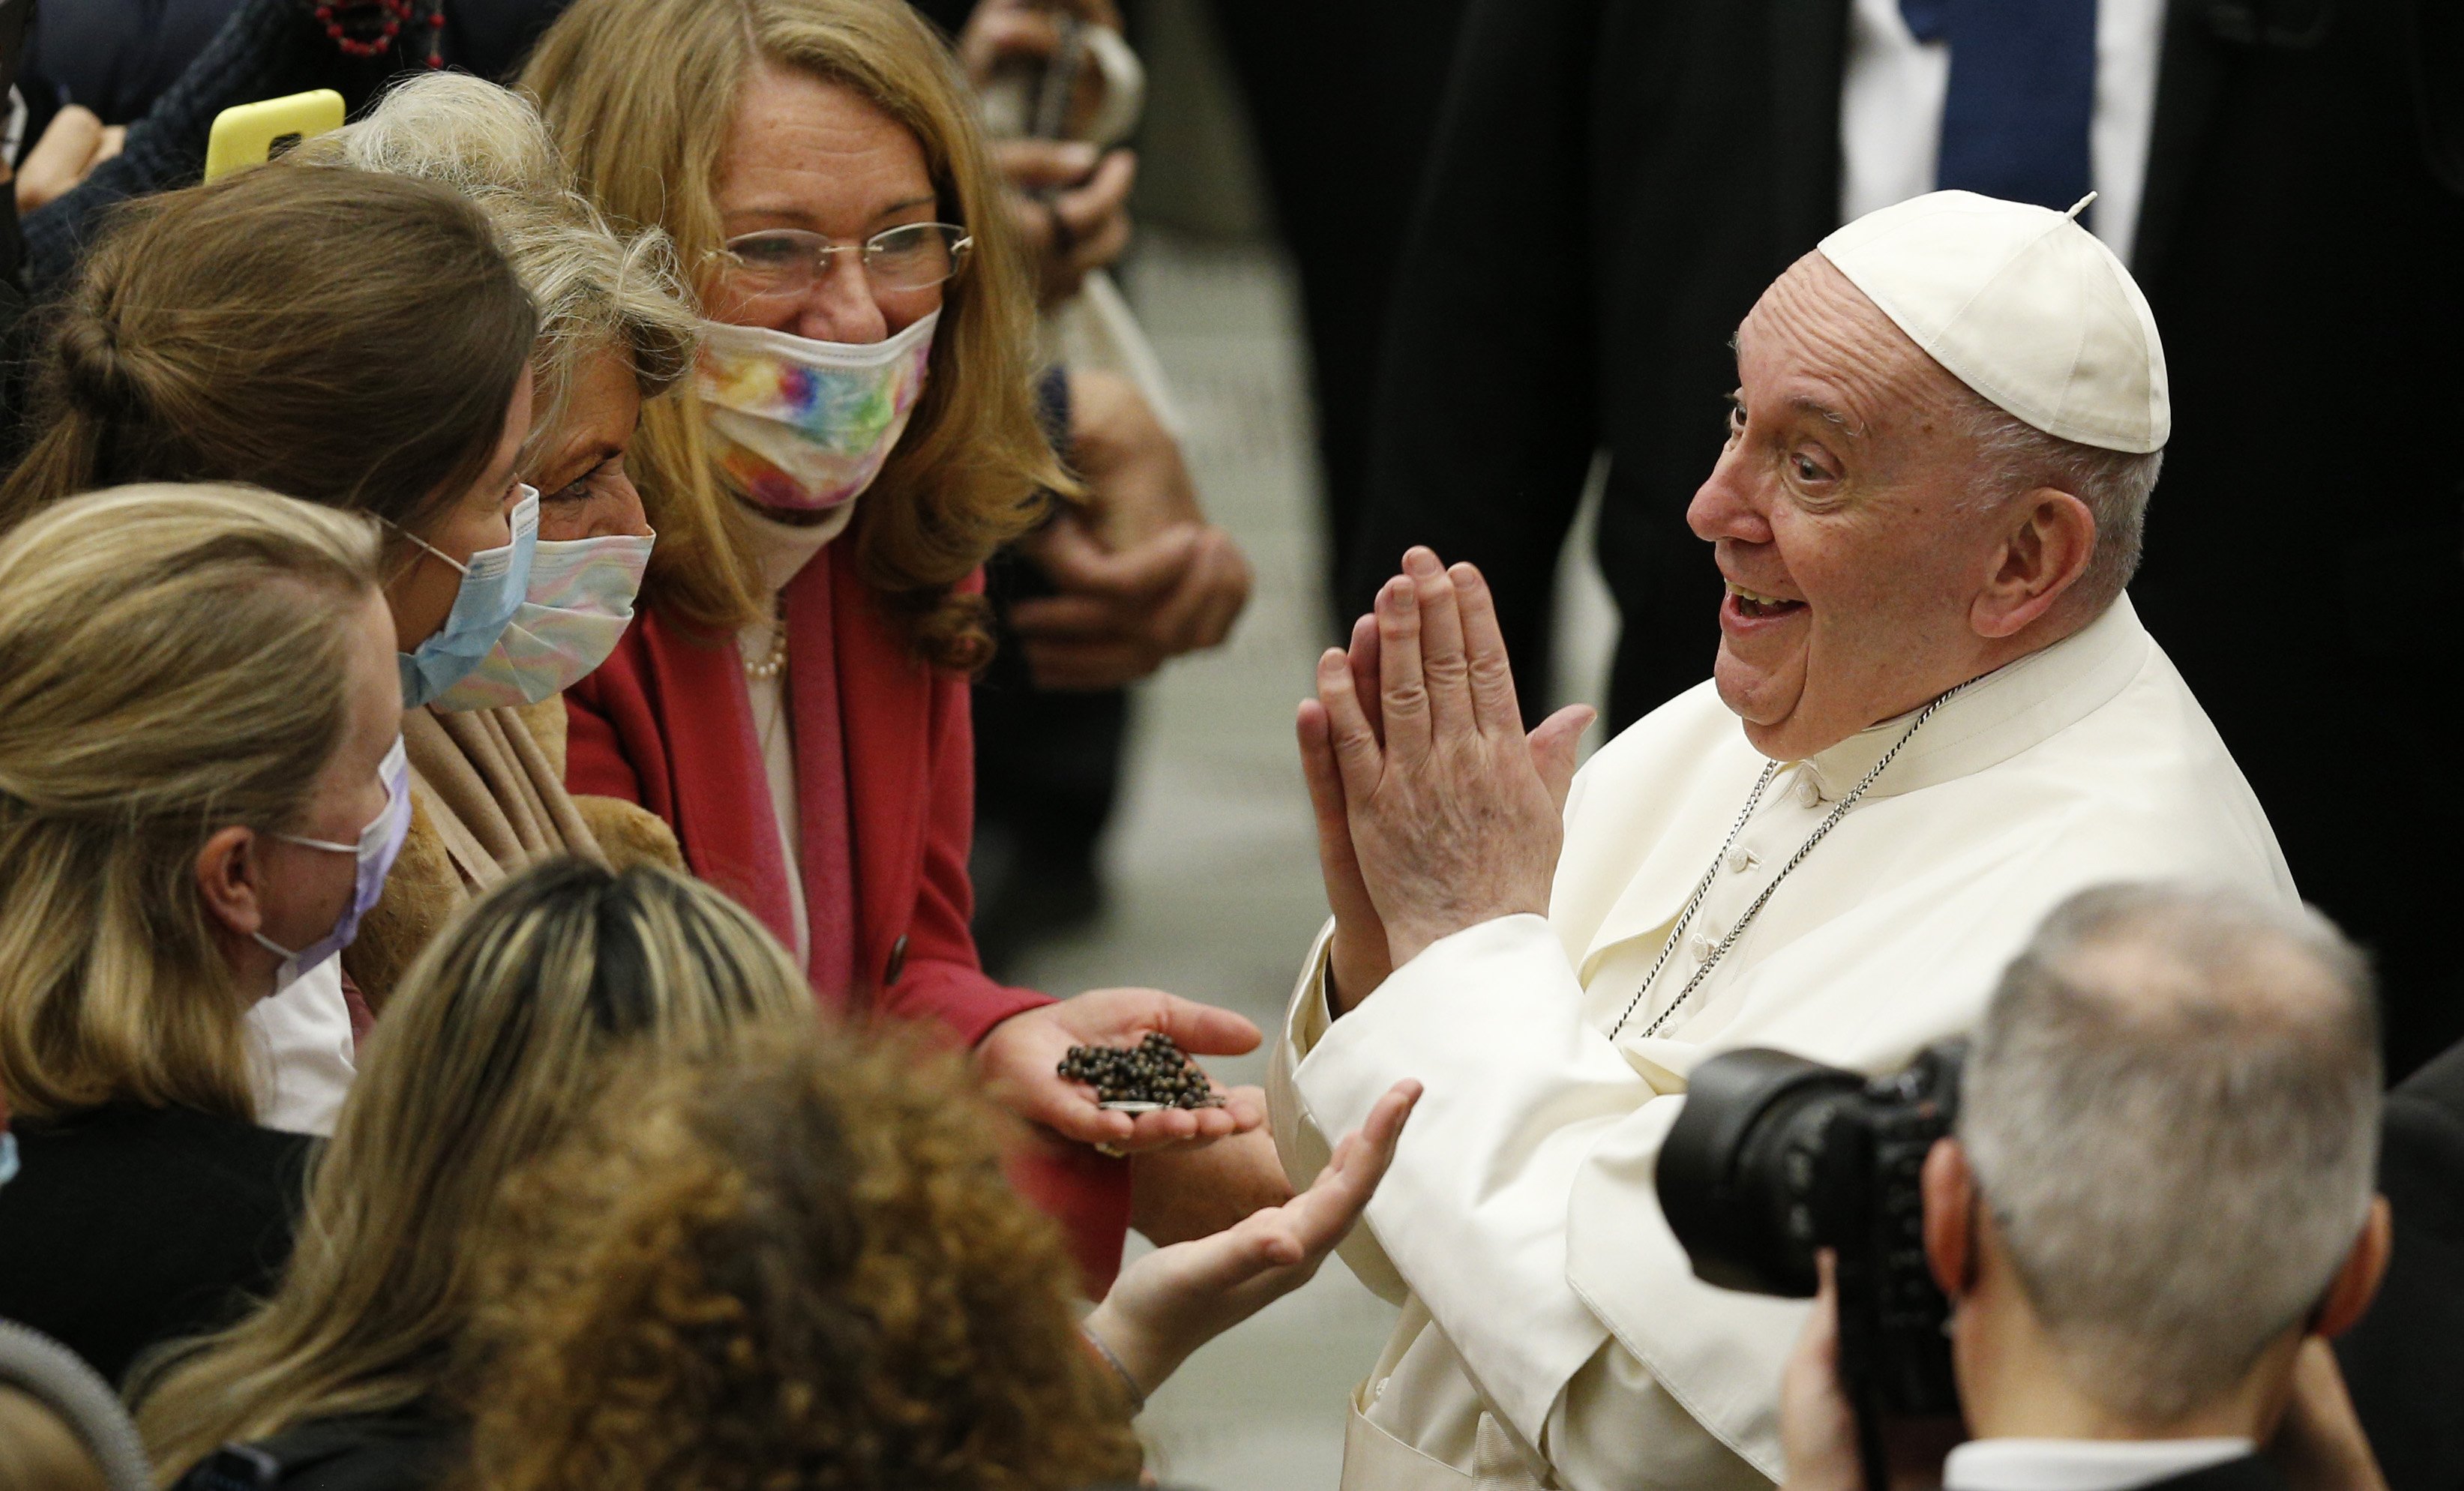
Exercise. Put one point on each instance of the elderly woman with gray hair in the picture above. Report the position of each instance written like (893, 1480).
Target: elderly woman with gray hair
(487, 756)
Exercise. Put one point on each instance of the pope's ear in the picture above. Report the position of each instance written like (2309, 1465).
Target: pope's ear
(1949, 1190)
(228, 881)
(2044, 550)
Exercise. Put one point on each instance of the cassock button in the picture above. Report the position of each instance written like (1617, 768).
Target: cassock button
(1808, 791)
(1700, 947)
(1740, 860)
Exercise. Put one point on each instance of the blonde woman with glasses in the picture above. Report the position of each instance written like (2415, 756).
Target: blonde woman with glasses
(200, 772)
(863, 434)
(499, 1038)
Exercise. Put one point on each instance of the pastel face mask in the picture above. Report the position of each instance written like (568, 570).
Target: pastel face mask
(379, 842)
(494, 582)
(580, 601)
(806, 424)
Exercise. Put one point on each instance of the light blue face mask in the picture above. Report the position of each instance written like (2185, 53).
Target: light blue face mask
(7, 1156)
(494, 582)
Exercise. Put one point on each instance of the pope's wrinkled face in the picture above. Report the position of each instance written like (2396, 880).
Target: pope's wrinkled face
(1837, 518)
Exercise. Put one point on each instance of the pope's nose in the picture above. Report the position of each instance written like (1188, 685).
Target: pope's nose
(1724, 506)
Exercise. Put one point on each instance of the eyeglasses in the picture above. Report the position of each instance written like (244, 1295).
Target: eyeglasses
(787, 261)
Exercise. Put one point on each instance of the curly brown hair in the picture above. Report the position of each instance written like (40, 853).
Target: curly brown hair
(794, 1266)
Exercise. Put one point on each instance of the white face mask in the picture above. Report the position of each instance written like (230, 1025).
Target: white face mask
(806, 424)
(578, 604)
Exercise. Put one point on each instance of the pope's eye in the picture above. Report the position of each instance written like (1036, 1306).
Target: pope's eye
(1805, 469)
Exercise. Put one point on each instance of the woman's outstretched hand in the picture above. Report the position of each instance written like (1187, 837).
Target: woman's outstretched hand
(1175, 1299)
(1017, 1059)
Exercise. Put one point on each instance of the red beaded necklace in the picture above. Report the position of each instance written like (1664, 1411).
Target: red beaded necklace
(367, 28)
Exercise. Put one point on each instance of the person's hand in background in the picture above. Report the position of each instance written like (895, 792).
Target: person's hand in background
(1003, 30)
(72, 145)
(1071, 203)
(1143, 577)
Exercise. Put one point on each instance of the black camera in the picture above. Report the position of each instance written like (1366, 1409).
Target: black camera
(1774, 1156)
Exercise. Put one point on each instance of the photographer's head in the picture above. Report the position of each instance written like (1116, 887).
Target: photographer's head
(2164, 1170)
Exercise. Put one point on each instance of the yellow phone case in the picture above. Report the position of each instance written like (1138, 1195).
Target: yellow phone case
(246, 135)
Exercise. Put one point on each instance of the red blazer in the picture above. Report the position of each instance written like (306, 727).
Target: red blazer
(667, 723)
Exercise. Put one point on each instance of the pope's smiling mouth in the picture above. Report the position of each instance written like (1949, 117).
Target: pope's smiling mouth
(1756, 608)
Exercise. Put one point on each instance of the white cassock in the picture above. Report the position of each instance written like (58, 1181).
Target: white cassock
(1553, 1332)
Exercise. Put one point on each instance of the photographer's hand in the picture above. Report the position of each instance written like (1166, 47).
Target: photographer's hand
(1817, 1429)
(2319, 1443)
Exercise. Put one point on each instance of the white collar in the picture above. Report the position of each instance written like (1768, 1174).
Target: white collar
(1998, 716)
(2081, 1464)
(780, 551)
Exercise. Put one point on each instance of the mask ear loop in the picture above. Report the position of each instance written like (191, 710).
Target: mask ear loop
(393, 792)
(424, 544)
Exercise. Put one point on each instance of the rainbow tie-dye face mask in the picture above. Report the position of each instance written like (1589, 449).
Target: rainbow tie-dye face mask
(806, 424)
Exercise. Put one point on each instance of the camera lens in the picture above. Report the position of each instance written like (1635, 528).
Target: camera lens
(1741, 1172)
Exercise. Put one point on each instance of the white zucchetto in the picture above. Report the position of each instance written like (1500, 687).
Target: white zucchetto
(2021, 304)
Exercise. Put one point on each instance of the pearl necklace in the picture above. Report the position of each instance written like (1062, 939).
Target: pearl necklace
(775, 661)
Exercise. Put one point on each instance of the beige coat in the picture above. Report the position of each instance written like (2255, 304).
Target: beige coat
(487, 795)
(1553, 1333)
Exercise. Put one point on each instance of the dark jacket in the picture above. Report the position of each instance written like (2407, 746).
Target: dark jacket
(412, 1450)
(2402, 1362)
(129, 1226)
(2250, 1473)
(1615, 184)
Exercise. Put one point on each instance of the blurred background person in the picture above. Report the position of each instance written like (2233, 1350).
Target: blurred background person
(864, 436)
(199, 771)
(2157, 1207)
(510, 1026)
(820, 1223)
(345, 337)
(2287, 183)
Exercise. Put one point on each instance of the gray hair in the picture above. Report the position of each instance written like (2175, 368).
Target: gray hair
(2172, 1111)
(595, 286)
(2115, 485)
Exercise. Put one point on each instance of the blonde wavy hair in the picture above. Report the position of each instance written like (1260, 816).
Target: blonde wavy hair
(498, 1041)
(598, 290)
(796, 1264)
(172, 662)
(641, 95)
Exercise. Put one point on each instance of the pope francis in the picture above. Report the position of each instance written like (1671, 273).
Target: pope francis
(1932, 717)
